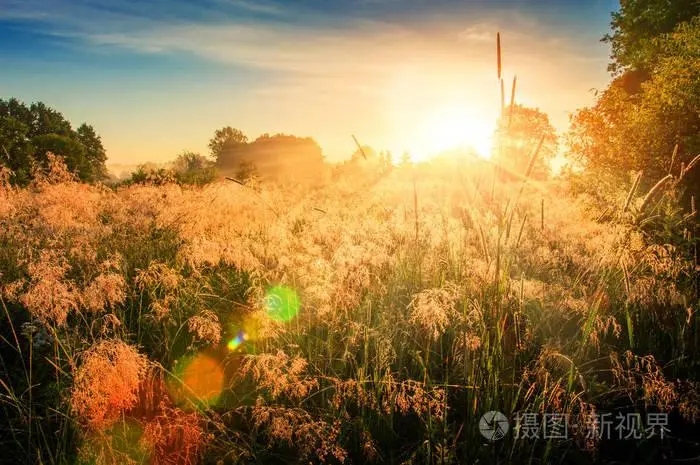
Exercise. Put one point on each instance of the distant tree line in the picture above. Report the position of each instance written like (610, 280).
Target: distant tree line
(28, 133)
(272, 157)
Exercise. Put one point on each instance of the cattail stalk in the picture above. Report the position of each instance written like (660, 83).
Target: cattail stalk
(542, 213)
(520, 233)
(415, 206)
(503, 99)
(498, 52)
(525, 178)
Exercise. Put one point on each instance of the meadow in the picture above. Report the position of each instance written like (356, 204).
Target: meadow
(373, 317)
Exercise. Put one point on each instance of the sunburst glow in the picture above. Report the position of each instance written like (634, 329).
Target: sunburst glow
(449, 127)
(452, 127)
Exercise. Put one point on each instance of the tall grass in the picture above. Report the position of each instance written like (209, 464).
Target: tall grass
(142, 324)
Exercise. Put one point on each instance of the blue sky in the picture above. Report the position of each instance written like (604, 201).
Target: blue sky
(158, 77)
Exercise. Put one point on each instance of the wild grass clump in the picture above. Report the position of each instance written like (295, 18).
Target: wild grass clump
(138, 322)
(373, 319)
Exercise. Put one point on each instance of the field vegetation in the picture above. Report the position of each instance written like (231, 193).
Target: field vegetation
(223, 311)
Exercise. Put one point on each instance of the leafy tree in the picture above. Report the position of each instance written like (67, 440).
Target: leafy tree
(46, 120)
(194, 168)
(637, 26)
(28, 133)
(70, 149)
(224, 140)
(517, 135)
(190, 161)
(388, 159)
(365, 162)
(364, 154)
(150, 174)
(246, 171)
(274, 156)
(94, 151)
(16, 151)
(631, 130)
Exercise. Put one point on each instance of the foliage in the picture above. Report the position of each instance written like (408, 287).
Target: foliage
(247, 171)
(28, 133)
(141, 325)
(637, 25)
(275, 157)
(188, 168)
(517, 135)
(146, 174)
(193, 168)
(225, 139)
(364, 162)
(637, 127)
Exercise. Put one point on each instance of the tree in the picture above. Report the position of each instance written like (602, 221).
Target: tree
(225, 139)
(246, 171)
(70, 149)
(94, 151)
(28, 133)
(637, 26)
(631, 130)
(517, 135)
(364, 154)
(274, 156)
(46, 120)
(16, 152)
(190, 161)
(194, 168)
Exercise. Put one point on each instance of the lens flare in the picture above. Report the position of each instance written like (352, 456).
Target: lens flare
(281, 303)
(198, 380)
(236, 342)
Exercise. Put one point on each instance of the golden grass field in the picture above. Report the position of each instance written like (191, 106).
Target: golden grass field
(371, 318)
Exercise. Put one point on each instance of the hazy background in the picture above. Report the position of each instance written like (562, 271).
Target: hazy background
(155, 78)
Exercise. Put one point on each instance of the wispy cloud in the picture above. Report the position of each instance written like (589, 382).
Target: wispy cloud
(368, 63)
(319, 43)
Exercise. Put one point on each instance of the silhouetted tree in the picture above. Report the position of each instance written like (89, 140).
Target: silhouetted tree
(225, 140)
(277, 156)
(94, 151)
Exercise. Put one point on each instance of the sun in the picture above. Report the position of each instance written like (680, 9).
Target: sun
(452, 127)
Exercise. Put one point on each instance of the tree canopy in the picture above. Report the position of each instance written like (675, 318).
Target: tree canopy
(225, 140)
(648, 118)
(518, 134)
(27, 133)
(637, 26)
(268, 156)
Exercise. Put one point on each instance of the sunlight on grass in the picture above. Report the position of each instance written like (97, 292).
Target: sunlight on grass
(160, 320)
